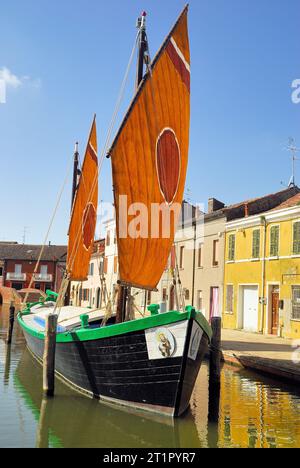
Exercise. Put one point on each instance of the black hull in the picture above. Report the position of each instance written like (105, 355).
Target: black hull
(91, 424)
(118, 370)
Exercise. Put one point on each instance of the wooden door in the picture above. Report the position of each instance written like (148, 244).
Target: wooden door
(275, 312)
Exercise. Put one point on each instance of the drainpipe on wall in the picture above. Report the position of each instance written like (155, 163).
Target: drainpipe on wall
(263, 274)
(194, 255)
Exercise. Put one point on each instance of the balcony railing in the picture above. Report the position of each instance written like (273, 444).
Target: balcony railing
(43, 277)
(16, 276)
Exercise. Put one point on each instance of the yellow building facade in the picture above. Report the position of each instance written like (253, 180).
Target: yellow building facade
(262, 272)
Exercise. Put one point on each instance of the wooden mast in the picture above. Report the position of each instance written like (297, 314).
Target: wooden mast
(142, 49)
(76, 173)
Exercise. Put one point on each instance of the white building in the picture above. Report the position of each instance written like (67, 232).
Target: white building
(90, 293)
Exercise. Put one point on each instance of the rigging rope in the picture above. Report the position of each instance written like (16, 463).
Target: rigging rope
(103, 154)
(49, 229)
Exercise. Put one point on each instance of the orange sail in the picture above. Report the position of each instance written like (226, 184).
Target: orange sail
(149, 162)
(84, 213)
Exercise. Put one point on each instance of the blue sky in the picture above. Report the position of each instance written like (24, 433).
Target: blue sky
(69, 58)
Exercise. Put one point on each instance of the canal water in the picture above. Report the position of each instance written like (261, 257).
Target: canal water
(252, 412)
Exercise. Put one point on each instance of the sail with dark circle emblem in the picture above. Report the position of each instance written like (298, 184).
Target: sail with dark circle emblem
(84, 213)
(149, 159)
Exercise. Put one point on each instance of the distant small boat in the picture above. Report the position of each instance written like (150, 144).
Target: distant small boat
(150, 363)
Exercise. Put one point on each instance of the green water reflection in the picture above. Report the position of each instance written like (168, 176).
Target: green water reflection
(253, 411)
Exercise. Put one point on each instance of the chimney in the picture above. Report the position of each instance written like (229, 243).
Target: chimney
(214, 205)
(246, 210)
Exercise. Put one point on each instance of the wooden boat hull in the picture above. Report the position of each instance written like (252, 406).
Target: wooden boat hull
(134, 369)
(90, 425)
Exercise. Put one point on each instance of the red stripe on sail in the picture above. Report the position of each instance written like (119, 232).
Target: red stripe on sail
(179, 65)
(92, 153)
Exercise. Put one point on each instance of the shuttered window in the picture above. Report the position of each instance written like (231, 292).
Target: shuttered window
(181, 258)
(231, 247)
(296, 239)
(115, 264)
(296, 302)
(274, 241)
(105, 267)
(256, 243)
(229, 298)
(200, 259)
(200, 300)
(108, 239)
(215, 253)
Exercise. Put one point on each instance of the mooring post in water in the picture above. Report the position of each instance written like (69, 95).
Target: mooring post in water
(215, 370)
(215, 350)
(49, 355)
(42, 437)
(11, 322)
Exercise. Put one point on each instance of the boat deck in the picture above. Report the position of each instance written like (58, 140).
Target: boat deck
(68, 318)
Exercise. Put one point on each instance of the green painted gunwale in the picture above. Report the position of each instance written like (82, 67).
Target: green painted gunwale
(89, 334)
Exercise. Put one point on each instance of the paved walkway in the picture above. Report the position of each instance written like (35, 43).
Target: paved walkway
(264, 353)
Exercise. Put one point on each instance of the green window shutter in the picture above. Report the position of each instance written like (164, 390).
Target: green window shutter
(296, 238)
(256, 243)
(231, 247)
(296, 302)
(274, 241)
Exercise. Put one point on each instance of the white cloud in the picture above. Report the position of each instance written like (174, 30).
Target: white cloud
(9, 78)
(13, 81)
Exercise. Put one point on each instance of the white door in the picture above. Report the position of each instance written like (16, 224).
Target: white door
(250, 308)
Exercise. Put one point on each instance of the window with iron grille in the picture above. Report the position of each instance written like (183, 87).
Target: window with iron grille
(274, 241)
(296, 302)
(229, 298)
(296, 238)
(231, 247)
(256, 243)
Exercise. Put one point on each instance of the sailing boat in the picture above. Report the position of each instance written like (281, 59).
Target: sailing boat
(149, 363)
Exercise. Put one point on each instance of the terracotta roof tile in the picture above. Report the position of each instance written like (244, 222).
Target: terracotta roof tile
(31, 252)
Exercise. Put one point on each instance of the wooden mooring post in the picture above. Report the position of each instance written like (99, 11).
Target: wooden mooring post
(11, 322)
(215, 370)
(49, 355)
(215, 350)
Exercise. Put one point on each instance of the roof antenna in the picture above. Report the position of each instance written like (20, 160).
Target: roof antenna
(25, 230)
(294, 150)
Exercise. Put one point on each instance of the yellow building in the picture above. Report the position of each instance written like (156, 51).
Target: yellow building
(262, 272)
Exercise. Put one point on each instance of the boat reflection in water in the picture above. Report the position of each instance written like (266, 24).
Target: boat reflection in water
(253, 412)
(71, 420)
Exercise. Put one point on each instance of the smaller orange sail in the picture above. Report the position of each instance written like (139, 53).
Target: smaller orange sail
(84, 213)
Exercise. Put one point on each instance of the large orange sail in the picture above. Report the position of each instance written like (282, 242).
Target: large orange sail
(149, 161)
(84, 213)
